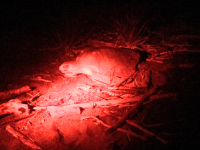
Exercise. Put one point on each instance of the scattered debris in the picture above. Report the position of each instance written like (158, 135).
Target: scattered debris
(132, 110)
(64, 110)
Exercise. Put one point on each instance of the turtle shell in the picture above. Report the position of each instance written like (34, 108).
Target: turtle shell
(105, 64)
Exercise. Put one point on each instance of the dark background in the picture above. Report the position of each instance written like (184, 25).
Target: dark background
(22, 22)
(19, 14)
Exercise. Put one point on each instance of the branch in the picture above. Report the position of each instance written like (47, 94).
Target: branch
(131, 111)
(25, 140)
(131, 122)
(7, 95)
(118, 129)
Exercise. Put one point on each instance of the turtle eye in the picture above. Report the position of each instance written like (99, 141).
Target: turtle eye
(66, 66)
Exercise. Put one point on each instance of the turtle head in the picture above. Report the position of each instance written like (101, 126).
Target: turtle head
(68, 68)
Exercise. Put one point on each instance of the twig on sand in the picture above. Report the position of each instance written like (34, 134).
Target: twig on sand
(33, 97)
(131, 122)
(40, 79)
(118, 129)
(124, 81)
(25, 140)
(131, 111)
(158, 97)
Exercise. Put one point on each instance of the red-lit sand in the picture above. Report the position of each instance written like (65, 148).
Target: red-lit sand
(75, 130)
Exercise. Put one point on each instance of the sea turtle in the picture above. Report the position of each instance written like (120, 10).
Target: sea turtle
(104, 64)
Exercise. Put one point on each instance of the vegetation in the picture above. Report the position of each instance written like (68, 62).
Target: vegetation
(125, 26)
